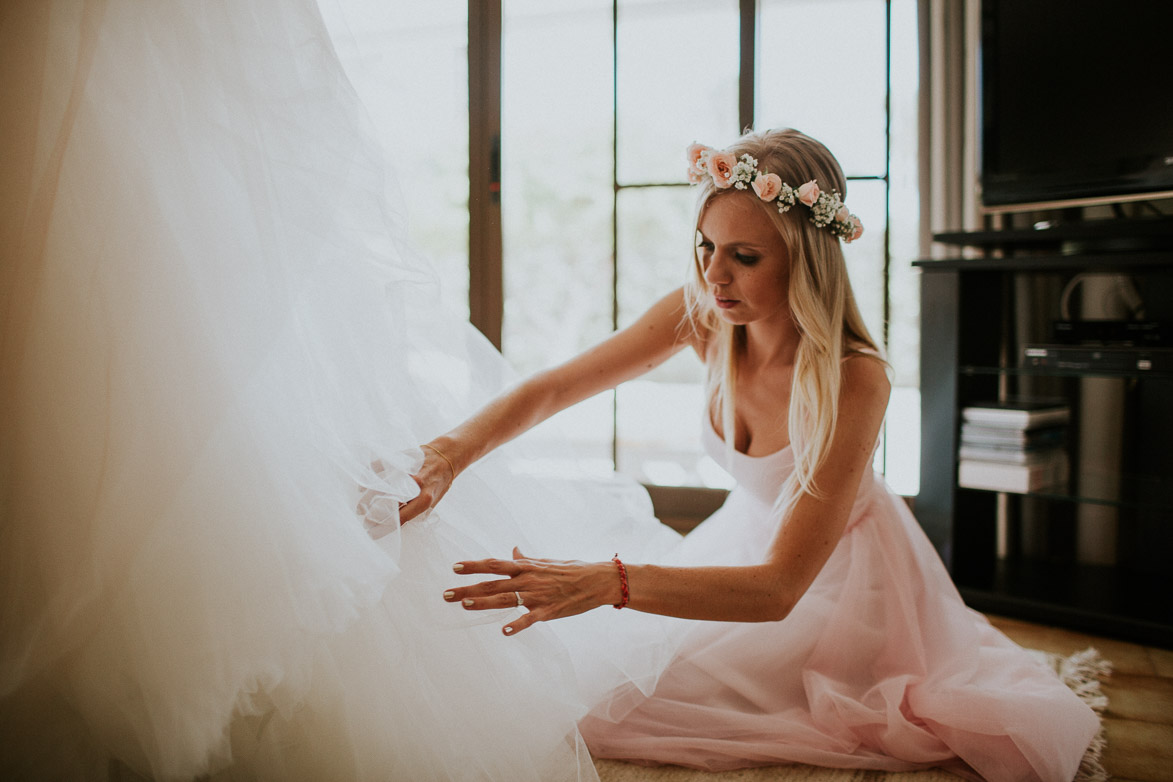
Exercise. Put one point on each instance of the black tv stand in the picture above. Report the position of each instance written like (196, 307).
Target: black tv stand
(1021, 554)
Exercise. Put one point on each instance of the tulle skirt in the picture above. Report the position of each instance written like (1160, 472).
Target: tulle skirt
(212, 326)
(880, 665)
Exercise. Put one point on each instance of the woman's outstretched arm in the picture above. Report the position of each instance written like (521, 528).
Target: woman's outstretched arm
(658, 334)
(764, 592)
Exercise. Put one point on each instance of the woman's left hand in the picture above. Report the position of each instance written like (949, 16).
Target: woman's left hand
(546, 588)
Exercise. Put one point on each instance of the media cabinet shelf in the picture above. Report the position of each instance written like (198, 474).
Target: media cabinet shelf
(971, 370)
(1051, 261)
(1018, 554)
(1122, 235)
(1095, 599)
(1145, 492)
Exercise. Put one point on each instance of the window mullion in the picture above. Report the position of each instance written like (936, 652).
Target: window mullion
(747, 68)
(486, 287)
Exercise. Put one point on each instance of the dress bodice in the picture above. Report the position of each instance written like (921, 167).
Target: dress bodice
(762, 476)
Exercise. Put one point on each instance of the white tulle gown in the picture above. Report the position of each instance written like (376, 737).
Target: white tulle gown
(210, 329)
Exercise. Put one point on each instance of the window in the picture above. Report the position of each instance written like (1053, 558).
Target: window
(677, 82)
(556, 194)
(408, 62)
(597, 101)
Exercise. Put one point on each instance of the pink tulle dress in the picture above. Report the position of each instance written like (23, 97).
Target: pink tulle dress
(880, 665)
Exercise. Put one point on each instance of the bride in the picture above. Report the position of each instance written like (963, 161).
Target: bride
(834, 635)
(216, 346)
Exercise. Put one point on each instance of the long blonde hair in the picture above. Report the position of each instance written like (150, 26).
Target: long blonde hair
(822, 306)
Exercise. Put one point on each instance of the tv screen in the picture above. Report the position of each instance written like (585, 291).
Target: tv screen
(1075, 99)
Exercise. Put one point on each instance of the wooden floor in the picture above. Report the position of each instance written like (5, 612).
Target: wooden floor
(1139, 718)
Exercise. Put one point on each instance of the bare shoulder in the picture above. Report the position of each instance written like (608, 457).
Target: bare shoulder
(666, 320)
(673, 302)
(673, 307)
(865, 385)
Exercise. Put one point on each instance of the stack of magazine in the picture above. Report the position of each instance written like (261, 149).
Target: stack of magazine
(1016, 445)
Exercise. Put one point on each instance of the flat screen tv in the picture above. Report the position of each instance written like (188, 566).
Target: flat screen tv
(1076, 100)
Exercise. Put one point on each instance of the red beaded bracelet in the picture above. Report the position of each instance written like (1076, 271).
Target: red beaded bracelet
(622, 582)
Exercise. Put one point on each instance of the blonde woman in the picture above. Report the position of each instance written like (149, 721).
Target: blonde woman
(833, 634)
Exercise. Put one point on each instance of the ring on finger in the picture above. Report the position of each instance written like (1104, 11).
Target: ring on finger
(520, 602)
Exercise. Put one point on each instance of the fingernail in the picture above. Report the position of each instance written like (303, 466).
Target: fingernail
(467, 601)
(449, 595)
(458, 567)
(508, 630)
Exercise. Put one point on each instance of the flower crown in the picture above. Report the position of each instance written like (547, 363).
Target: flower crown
(726, 170)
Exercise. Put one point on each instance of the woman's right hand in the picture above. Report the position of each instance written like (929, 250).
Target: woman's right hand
(434, 478)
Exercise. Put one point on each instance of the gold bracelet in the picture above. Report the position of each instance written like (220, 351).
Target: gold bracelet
(442, 456)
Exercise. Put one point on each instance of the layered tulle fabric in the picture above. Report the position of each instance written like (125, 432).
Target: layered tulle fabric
(880, 665)
(210, 330)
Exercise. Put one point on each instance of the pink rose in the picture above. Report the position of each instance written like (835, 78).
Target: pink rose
(694, 154)
(843, 215)
(721, 168)
(696, 162)
(808, 193)
(857, 230)
(767, 186)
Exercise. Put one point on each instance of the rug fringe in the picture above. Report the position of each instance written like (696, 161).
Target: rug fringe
(1082, 672)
